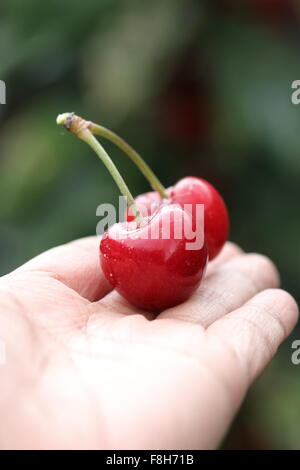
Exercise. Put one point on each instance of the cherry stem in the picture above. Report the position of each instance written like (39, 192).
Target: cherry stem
(81, 129)
(135, 157)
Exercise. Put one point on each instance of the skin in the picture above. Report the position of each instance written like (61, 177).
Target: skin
(84, 369)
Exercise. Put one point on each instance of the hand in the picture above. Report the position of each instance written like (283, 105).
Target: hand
(84, 369)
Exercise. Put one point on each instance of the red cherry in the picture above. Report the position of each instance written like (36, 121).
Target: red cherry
(153, 273)
(192, 190)
(147, 204)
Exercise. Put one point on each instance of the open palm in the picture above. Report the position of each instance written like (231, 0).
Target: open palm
(84, 369)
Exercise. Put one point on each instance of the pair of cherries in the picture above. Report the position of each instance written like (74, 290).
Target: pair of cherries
(157, 273)
(143, 258)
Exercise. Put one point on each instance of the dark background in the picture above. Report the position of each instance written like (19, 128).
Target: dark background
(199, 88)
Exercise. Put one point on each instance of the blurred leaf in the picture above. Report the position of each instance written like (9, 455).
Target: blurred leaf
(254, 70)
(128, 64)
(31, 157)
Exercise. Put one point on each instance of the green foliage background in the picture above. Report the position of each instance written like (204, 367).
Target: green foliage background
(200, 88)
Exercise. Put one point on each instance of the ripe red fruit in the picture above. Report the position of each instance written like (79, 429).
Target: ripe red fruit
(147, 203)
(192, 190)
(153, 273)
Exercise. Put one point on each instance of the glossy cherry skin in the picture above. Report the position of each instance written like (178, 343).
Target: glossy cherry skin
(147, 203)
(153, 273)
(192, 190)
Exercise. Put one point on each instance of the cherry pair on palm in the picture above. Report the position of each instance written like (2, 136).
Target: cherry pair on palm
(158, 257)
